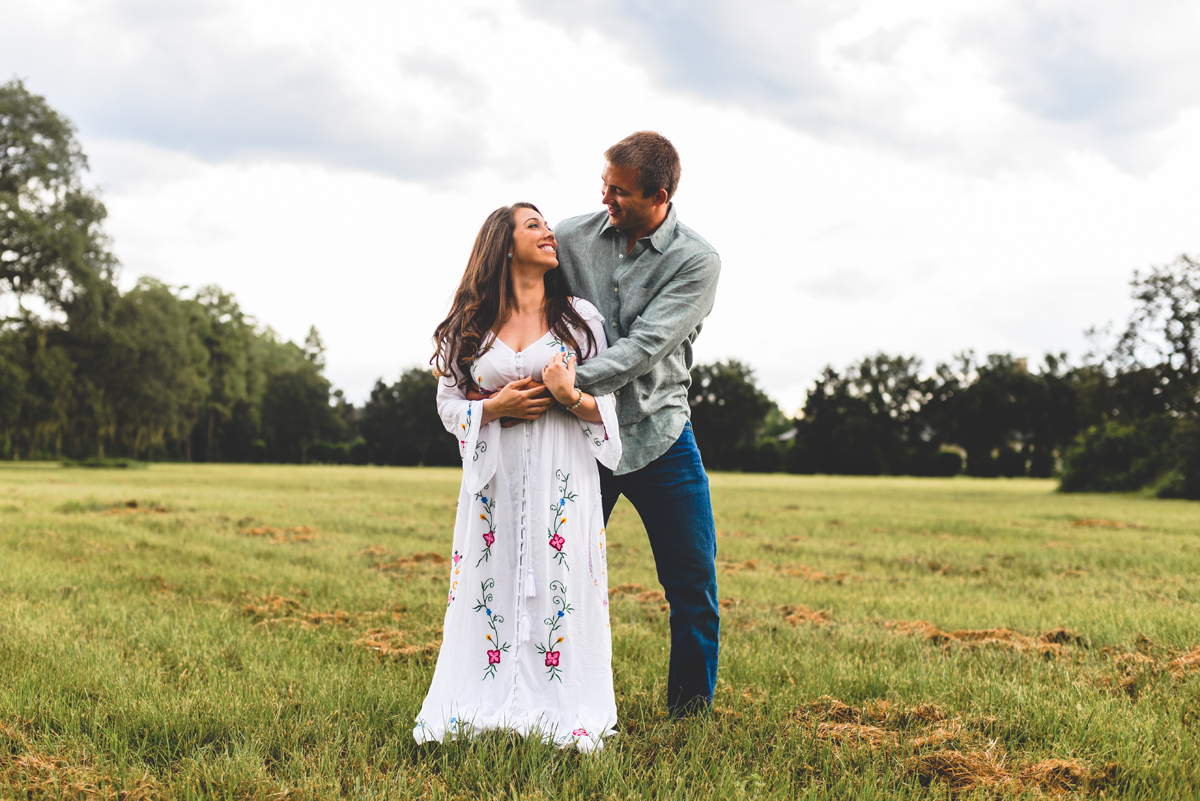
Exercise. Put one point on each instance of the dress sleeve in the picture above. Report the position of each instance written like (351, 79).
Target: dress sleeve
(477, 445)
(603, 437)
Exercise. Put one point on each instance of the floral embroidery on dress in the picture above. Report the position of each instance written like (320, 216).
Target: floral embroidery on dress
(493, 620)
(555, 621)
(581, 733)
(453, 581)
(489, 536)
(554, 531)
(587, 432)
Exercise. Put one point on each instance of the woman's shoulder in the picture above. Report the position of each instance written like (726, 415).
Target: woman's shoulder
(586, 309)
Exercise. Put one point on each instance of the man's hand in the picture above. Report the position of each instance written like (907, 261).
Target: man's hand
(559, 376)
(524, 399)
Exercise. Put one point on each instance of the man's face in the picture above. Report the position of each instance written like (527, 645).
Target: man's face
(627, 209)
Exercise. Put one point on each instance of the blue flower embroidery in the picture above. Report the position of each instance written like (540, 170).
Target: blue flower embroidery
(560, 613)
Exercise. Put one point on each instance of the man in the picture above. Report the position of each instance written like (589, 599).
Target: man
(654, 280)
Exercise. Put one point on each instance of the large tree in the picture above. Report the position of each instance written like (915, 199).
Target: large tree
(866, 419)
(401, 426)
(52, 245)
(728, 412)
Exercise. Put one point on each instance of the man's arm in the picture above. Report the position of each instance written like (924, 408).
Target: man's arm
(669, 318)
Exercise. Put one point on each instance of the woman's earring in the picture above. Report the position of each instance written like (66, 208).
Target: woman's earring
(510, 255)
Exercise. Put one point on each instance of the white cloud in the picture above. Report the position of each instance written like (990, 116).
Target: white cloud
(985, 86)
(186, 77)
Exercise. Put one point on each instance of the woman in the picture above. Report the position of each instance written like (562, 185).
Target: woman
(526, 645)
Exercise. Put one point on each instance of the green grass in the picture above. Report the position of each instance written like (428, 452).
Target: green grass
(162, 649)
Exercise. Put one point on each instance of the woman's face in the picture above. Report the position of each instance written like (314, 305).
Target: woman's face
(533, 244)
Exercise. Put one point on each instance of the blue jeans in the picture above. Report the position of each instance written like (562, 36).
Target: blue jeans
(671, 496)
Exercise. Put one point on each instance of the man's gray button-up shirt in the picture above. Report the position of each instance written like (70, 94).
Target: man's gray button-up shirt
(660, 296)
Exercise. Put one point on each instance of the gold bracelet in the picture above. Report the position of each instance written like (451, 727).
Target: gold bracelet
(574, 405)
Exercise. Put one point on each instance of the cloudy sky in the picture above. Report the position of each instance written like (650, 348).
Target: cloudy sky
(919, 177)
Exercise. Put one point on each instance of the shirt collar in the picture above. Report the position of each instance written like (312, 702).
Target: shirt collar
(661, 236)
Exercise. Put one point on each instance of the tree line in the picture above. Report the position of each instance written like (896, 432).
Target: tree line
(90, 372)
(1123, 419)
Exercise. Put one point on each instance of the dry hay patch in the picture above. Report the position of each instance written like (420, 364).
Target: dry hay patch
(272, 610)
(807, 573)
(879, 711)
(964, 771)
(1180, 666)
(938, 737)
(800, 571)
(280, 536)
(641, 595)
(1056, 776)
(879, 724)
(388, 644)
(1134, 670)
(33, 774)
(857, 733)
(428, 558)
(829, 710)
(1099, 523)
(1054, 643)
(428, 563)
(797, 614)
(961, 771)
(135, 508)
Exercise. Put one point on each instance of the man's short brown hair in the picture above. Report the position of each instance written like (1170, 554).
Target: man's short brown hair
(654, 157)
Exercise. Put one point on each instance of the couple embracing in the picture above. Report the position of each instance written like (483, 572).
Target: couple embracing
(564, 372)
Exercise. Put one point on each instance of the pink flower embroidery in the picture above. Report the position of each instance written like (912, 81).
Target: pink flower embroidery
(580, 733)
(489, 537)
(557, 542)
(457, 557)
(494, 657)
(552, 658)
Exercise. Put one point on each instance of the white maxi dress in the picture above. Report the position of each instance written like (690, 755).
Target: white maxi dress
(526, 644)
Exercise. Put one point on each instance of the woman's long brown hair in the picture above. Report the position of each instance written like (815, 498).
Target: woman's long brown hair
(484, 300)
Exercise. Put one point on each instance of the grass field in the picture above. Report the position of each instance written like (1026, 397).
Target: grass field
(245, 631)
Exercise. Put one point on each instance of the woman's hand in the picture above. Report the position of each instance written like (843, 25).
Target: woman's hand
(559, 377)
(524, 399)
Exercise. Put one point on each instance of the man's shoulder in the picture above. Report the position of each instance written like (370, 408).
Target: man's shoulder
(687, 239)
(584, 224)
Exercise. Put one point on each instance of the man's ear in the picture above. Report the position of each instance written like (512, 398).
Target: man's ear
(661, 197)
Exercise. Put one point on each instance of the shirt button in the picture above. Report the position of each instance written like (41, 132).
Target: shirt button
(620, 255)
(618, 392)
(616, 289)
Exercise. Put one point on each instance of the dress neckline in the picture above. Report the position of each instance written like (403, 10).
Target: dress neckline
(538, 341)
